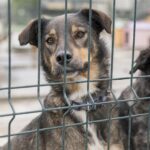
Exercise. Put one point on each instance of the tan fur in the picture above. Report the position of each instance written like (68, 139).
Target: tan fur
(77, 28)
(81, 89)
(73, 87)
(83, 53)
(52, 32)
(52, 62)
(46, 59)
(74, 28)
(94, 71)
(115, 147)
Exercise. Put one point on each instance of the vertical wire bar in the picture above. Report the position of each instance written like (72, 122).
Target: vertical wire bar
(109, 125)
(89, 50)
(110, 119)
(39, 70)
(89, 44)
(111, 71)
(109, 122)
(112, 46)
(129, 129)
(63, 133)
(65, 74)
(9, 74)
(37, 138)
(86, 133)
(88, 75)
(63, 129)
(133, 44)
(131, 79)
(65, 48)
(148, 130)
(39, 51)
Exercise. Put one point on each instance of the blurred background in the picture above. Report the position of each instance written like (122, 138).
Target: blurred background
(24, 60)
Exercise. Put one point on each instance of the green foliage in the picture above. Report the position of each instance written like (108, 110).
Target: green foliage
(26, 4)
(24, 10)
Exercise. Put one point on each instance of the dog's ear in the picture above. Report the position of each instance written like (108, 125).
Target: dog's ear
(142, 62)
(100, 21)
(30, 33)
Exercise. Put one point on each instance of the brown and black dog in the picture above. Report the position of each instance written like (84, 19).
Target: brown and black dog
(139, 125)
(52, 59)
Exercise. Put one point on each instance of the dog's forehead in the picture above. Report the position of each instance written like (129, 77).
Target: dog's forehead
(58, 23)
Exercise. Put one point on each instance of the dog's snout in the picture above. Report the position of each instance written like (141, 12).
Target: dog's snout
(60, 57)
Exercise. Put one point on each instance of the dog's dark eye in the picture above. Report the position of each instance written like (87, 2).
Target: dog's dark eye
(50, 40)
(79, 34)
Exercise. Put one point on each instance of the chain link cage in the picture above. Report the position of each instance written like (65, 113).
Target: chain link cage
(13, 115)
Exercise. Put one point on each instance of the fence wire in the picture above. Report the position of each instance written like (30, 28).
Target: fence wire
(88, 81)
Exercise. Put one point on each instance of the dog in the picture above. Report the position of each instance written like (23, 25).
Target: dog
(139, 124)
(53, 57)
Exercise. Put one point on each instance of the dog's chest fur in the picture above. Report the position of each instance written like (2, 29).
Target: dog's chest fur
(78, 133)
(80, 95)
(94, 143)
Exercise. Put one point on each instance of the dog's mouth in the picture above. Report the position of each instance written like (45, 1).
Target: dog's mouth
(71, 72)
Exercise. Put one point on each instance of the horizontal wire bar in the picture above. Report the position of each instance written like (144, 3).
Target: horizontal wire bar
(71, 82)
(74, 106)
(75, 124)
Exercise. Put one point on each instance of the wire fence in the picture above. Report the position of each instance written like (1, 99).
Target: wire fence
(115, 101)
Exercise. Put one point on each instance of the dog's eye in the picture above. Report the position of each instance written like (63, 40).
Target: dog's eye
(79, 34)
(50, 40)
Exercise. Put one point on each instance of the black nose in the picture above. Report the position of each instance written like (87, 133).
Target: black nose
(60, 57)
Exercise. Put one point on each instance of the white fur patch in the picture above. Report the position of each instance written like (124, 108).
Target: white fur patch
(97, 144)
(132, 96)
(81, 115)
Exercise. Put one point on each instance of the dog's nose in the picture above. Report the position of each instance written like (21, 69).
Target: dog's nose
(61, 57)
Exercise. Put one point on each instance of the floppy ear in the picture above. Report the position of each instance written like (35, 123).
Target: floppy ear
(142, 62)
(100, 21)
(30, 33)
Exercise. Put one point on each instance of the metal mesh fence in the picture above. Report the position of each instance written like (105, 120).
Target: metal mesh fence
(14, 114)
